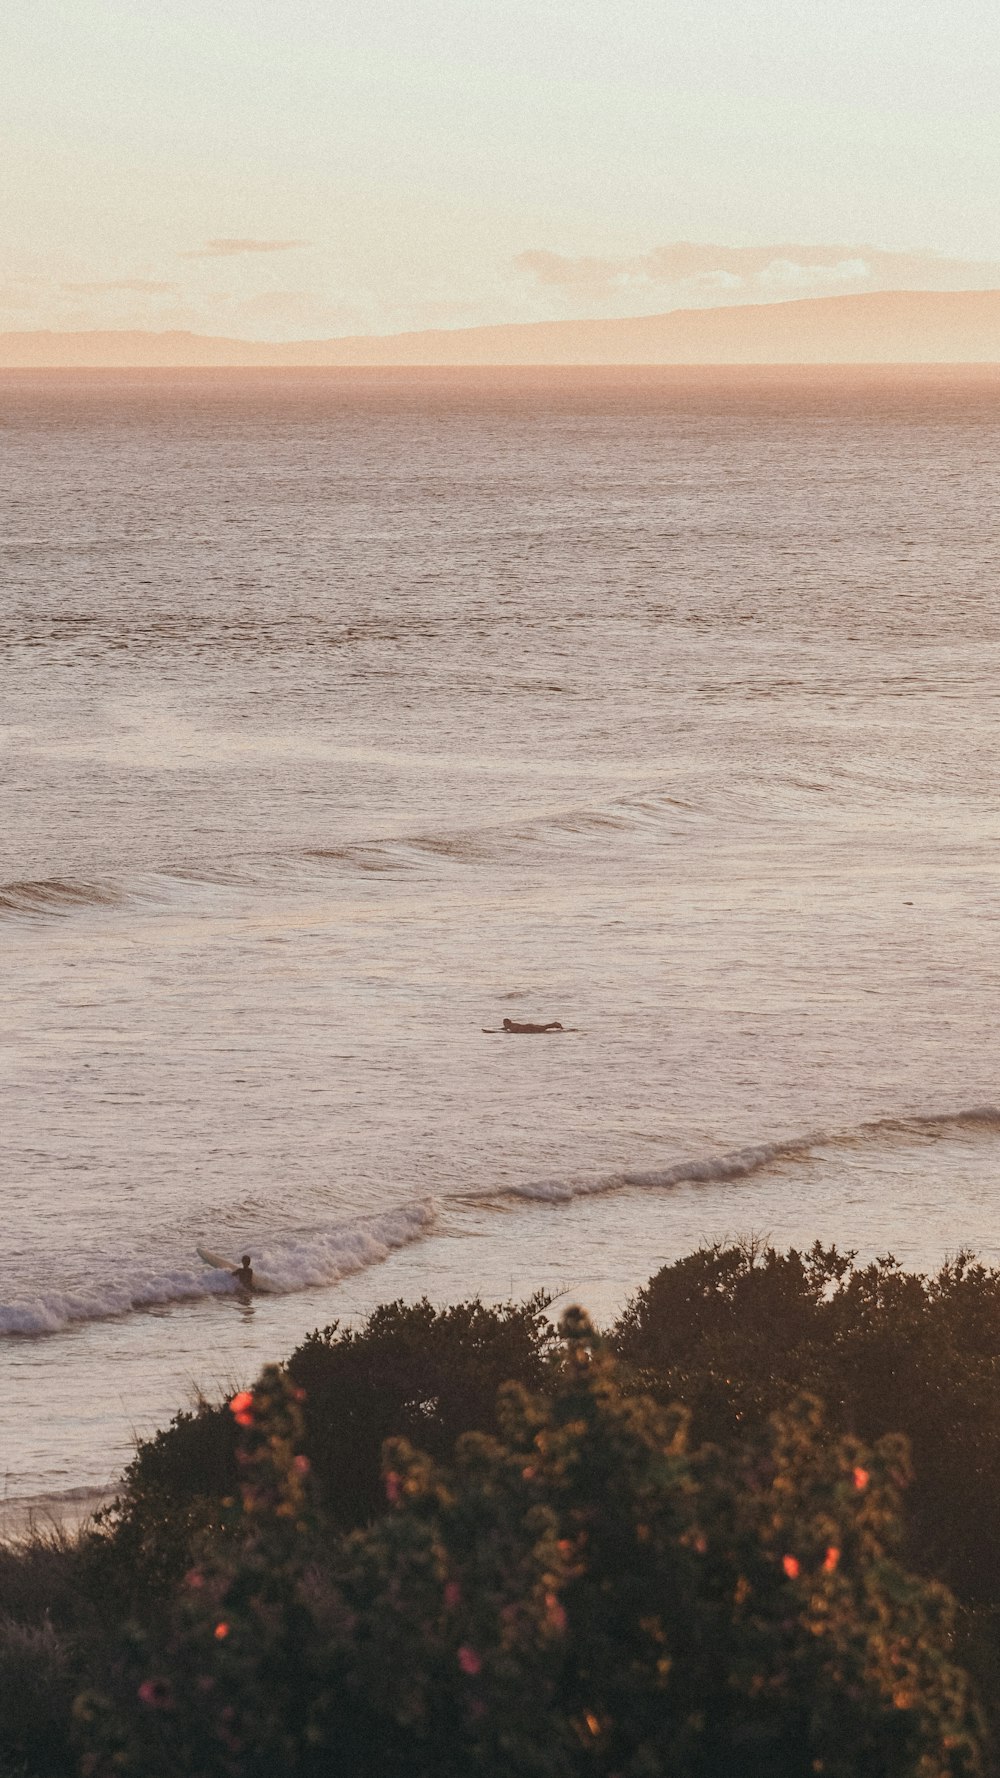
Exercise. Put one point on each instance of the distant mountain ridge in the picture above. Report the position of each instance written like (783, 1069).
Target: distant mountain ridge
(881, 327)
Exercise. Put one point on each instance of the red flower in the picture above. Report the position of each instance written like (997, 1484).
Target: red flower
(301, 1465)
(468, 1660)
(831, 1559)
(221, 1632)
(791, 1566)
(861, 1479)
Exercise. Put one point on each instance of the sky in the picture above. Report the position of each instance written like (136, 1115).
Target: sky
(289, 169)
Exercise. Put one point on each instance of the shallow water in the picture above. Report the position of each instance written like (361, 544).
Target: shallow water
(345, 714)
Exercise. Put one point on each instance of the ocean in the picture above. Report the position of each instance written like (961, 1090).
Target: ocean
(344, 714)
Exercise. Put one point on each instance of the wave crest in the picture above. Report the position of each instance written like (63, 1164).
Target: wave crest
(321, 1257)
(57, 895)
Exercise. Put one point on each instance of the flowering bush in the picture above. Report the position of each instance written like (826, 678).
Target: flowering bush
(581, 1594)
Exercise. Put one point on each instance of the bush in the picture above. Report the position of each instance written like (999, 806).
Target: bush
(37, 1689)
(735, 1331)
(324, 1620)
(584, 1594)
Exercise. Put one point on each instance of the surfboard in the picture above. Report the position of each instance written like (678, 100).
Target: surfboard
(260, 1279)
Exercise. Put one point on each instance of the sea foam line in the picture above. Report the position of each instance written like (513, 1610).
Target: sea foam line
(322, 1257)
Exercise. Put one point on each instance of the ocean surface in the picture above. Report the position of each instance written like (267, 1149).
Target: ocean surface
(343, 715)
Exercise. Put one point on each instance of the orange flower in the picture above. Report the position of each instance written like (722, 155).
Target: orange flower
(221, 1632)
(791, 1566)
(241, 1408)
(861, 1479)
(831, 1559)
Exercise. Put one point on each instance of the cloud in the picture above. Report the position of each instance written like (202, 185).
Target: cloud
(699, 275)
(139, 286)
(226, 248)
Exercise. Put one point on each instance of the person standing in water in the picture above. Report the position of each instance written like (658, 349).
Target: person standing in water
(244, 1273)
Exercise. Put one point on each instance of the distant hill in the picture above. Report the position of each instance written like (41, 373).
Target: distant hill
(885, 327)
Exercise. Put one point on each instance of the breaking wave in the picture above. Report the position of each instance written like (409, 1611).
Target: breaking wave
(321, 1257)
(740, 1163)
(290, 1264)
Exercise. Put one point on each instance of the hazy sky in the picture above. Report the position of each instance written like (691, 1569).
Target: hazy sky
(299, 168)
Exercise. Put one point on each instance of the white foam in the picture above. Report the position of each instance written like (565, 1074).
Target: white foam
(736, 1165)
(740, 1163)
(321, 1257)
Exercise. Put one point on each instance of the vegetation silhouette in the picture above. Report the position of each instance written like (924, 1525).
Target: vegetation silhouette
(752, 1529)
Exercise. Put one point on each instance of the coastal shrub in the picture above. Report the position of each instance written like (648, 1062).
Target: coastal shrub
(410, 1371)
(415, 1372)
(733, 1331)
(584, 1593)
(36, 1691)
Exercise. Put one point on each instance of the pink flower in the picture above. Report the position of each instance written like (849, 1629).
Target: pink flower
(194, 1579)
(301, 1465)
(791, 1566)
(392, 1486)
(452, 1594)
(156, 1693)
(468, 1660)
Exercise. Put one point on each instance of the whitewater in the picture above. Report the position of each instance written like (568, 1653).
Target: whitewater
(344, 714)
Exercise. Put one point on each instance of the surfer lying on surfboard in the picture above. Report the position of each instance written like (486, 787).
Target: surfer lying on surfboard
(514, 1025)
(515, 1028)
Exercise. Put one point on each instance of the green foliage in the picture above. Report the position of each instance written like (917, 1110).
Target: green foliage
(583, 1594)
(414, 1372)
